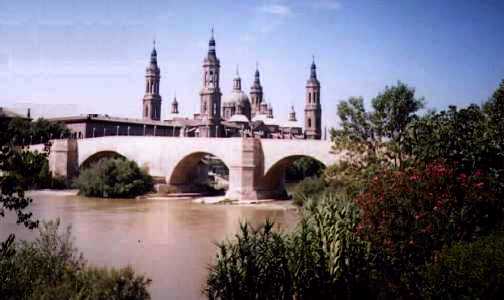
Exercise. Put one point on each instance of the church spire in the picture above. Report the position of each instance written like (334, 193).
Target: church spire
(211, 44)
(153, 53)
(174, 105)
(256, 93)
(257, 80)
(237, 80)
(313, 73)
(292, 114)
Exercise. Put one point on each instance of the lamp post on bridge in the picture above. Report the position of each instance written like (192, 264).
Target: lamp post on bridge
(144, 129)
(94, 128)
(104, 131)
(155, 130)
(117, 130)
(129, 127)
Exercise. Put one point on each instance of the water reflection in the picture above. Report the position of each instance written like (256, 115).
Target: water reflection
(169, 240)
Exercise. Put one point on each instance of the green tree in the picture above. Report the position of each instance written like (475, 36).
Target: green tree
(377, 136)
(114, 178)
(15, 177)
(42, 130)
(21, 131)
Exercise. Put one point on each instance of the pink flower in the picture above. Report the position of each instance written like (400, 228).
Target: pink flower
(479, 185)
(414, 178)
(462, 178)
(478, 173)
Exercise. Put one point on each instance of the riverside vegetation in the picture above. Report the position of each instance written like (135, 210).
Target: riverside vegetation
(114, 178)
(49, 267)
(414, 211)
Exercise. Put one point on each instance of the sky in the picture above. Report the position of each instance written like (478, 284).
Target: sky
(90, 56)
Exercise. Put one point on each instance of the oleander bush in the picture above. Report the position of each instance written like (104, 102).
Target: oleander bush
(468, 271)
(114, 178)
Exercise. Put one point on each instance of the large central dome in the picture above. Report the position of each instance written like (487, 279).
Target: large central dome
(237, 97)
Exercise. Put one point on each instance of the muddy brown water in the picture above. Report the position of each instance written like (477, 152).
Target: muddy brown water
(170, 241)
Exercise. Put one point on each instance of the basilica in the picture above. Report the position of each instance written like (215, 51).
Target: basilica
(237, 114)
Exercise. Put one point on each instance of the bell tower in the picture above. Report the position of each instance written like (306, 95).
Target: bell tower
(152, 99)
(256, 93)
(210, 106)
(313, 111)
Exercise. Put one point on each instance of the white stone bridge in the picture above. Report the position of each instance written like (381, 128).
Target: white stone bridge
(256, 166)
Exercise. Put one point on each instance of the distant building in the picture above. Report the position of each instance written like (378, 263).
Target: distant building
(94, 125)
(6, 115)
(238, 115)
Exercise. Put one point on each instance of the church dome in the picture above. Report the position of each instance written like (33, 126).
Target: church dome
(238, 97)
(239, 118)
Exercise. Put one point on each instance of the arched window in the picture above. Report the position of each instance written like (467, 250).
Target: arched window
(146, 111)
(309, 97)
(309, 122)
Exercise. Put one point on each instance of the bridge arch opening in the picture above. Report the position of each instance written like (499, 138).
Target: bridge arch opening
(288, 171)
(95, 158)
(200, 172)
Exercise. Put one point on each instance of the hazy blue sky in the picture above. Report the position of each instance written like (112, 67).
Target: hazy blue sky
(94, 53)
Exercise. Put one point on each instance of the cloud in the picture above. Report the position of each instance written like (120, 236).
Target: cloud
(327, 4)
(267, 18)
(276, 9)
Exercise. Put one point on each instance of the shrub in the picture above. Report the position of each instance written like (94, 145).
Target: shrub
(51, 268)
(114, 178)
(303, 168)
(409, 215)
(253, 266)
(321, 259)
(328, 261)
(468, 271)
(308, 188)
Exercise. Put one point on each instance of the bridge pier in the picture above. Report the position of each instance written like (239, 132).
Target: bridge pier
(63, 158)
(244, 175)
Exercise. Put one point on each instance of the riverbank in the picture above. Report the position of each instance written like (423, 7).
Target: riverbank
(266, 203)
(195, 198)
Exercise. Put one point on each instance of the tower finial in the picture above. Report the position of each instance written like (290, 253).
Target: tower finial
(237, 70)
(313, 73)
(257, 65)
(154, 43)
(211, 43)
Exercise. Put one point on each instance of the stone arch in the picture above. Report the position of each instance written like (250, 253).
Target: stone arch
(274, 177)
(94, 158)
(188, 172)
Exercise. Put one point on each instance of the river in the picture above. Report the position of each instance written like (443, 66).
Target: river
(170, 241)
